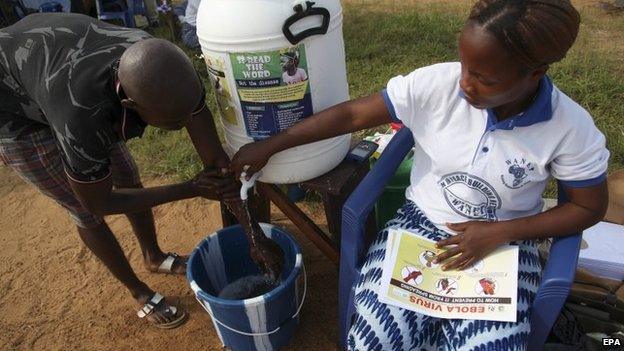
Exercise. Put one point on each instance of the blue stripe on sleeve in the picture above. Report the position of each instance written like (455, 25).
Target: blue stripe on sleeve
(585, 183)
(389, 105)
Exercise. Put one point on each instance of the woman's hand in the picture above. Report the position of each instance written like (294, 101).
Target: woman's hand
(255, 155)
(473, 241)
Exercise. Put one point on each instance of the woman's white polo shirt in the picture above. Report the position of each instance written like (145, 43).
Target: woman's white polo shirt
(468, 166)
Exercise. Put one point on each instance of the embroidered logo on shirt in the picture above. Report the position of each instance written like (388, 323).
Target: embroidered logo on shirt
(470, 196)
(23, 53)
(518, 173)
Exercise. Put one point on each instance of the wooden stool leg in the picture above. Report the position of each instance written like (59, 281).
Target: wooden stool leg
(227, 217)
(299, 219)
(262, 205)
(333, 212)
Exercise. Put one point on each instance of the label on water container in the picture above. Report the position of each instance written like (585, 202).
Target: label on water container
(273, 89)
(216, 73)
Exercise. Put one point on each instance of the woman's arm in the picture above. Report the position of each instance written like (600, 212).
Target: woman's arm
(585, 207)
(347, 117)
(475, 239)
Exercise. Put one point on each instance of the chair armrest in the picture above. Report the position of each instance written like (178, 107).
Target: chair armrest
(354, 214)
(557, 278)
(363, 198)
(562, 259)
(560, 268)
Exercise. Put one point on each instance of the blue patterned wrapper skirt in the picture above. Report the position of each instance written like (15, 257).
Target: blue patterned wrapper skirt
(378, 326)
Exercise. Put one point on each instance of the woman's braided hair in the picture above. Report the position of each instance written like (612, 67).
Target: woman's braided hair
(536, 32)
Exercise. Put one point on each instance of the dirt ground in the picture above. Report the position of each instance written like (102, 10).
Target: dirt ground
(55, 294)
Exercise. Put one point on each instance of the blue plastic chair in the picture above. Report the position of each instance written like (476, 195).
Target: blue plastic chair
(557, 276)
(135, 7)
(51, 6)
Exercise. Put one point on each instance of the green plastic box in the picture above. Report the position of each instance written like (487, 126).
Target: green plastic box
(393, 196)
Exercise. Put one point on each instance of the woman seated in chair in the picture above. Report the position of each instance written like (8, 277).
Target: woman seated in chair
(490, 131)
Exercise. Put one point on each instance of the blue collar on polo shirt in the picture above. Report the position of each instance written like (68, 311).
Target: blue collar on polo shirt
(539, 111)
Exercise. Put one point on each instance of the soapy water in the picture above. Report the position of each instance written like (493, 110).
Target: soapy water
(249, 224)
(248, 287)
(266, 254)
(251, 285)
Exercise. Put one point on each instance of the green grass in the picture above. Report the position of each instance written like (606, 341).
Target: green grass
(600, 90)
(383, 41)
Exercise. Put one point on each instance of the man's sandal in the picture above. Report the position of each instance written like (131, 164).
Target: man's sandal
(175, 316)
(166, 265)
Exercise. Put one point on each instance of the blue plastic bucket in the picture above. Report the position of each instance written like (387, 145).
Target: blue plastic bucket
(266, 322)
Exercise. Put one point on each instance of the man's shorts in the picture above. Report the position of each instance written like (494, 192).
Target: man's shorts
(37, 159)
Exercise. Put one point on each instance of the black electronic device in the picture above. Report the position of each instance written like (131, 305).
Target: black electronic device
(362, 151)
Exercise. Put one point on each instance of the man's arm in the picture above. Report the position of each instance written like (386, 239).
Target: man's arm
(203, 134)
(100, 197)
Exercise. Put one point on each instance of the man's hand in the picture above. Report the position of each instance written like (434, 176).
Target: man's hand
(222, 163)
(473, 241)
(255, 155)
(268, 256)
(216, 184)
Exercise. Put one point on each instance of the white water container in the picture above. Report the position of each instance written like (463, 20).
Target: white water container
(273, 63)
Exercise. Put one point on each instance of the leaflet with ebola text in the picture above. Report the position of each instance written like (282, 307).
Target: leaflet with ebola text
(411, 280)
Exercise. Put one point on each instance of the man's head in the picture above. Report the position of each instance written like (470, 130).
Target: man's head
(289, 60)
(160, 83)
(506, 47)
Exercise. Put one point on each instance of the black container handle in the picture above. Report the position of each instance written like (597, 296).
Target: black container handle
(300, 13)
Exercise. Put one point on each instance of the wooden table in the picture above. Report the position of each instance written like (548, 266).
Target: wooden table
(334, 188)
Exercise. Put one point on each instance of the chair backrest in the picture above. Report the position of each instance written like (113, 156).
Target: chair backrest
(139, 7)
(51, 6)
(127, 15)
(557, 275)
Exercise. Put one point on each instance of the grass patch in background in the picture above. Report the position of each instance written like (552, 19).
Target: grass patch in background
(387, 38)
